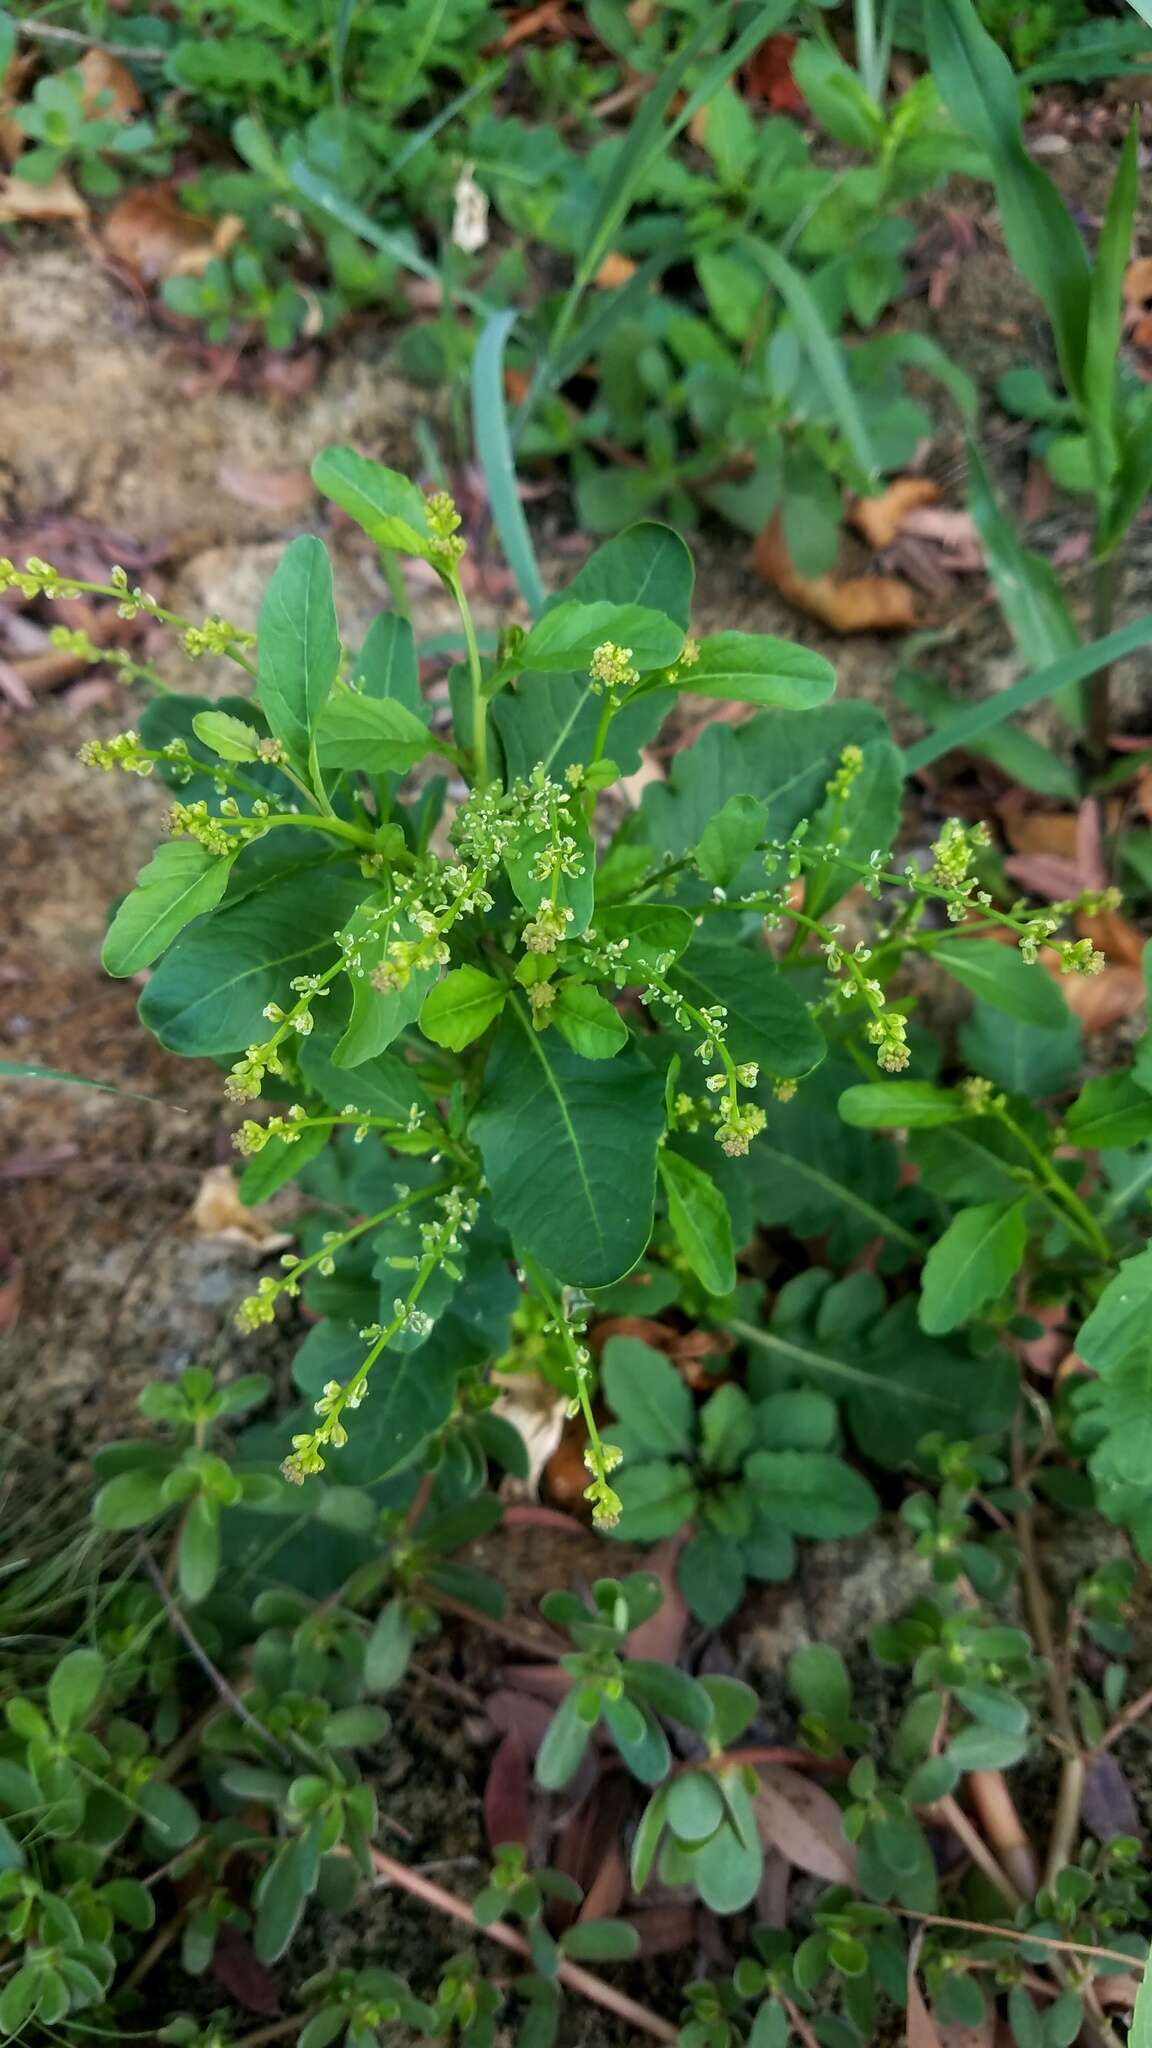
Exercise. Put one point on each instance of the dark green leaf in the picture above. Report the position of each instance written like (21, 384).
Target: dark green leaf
(971, 1264)
(298, 643)
(811, 1493)
(700, 1220)
(1000, 976)
(180, 882)
(754, 668)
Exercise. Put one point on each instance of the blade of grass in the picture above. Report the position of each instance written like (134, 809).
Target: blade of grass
(978, 88)
(1106, 315)
(494, 454)
(649, 137)
(822, 350)
(22, 1070)
(432, 128)
(1056, 675)
(1031, 600)
(320, 192)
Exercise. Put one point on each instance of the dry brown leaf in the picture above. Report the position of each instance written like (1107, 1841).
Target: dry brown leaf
(921, 2032)
(1138, 287)
(110, 91)
(956, 2035)
(1041, 831)
(616, 269)
(881, 518)
(286, 491)
(660, 1638)
(58, 200)
(152, 235)
(803, 1821)
(861, 604)
(1099, 1000)
(219, 1212)
(1115, 937)
(954, 533)
(537, 1410)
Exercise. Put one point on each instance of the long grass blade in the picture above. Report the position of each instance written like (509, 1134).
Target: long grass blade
(1056, 675)
(318, 191)
(22, 1070)
(494, 454)
(822, 350)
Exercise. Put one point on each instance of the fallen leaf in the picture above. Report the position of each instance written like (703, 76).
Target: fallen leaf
(659, 1639)
(952, 532)
(11, 1295)
(860, 604)
(511, 1711)
(1044, 874)
(803, 1821)
(529, 23)
(1030, 831)
(58, 200)
(219, 1212)
(1108, 1806)
(285, 491)
(1119, 1991)
(665, 1929)
(881, 518)
(536, 1410)
(615, 270)
(565, 1475)
(1099, 1000)
(768, 76)
(1138, 288)
(508, 1792)
(110, 91)
(921, 2032)
(236, 1966)
(153, 236)
(1118, 940)
(956, 2035)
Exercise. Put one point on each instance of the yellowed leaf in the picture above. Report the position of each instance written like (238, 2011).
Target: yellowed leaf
(58, 200)
(219, 1212)
(615, 270)
(880, 519)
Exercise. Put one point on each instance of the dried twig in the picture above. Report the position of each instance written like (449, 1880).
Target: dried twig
(228, 1694)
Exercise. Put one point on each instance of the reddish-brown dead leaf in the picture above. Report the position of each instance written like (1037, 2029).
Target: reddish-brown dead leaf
(880, 519)
(1099, 1000)
(154, 237)
(660, 1637)
(1138, 288)
(11, 1295)
(664, 1929)
(565, 1475)
(509, 1709)
(1029, 831)
(803, 1821)
(1045, 874)
(860, 604)
(1109, 1808)
(236, 1966)
(57, 201)
(508, 1792)
(285, 491)
(1115, 937)
(110, 91)
(768, 76)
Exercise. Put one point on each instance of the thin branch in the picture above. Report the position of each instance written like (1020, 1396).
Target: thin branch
(1067, 1816)
(1124, 1721)
(1072, 1948)
(593, 1988)
(227, 1693)
(951, 1815)
(132, 53)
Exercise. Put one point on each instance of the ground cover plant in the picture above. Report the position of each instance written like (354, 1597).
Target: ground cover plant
(754, 1120)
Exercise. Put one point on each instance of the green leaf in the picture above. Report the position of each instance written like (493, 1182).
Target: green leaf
(694, 1808)
(1118, 1325)
(392, 511)
(587, 1021)
(819, 345)
(494, 453)
(27, 1070)
(866, 821)
(836, 98)
(1111, 1111)
(228, 737)
(569, 1152)
(819, 1678)
(900, 1105)
(811, 1493)
(378, 1016)
(656, 1499)
(388, 1650)
(461, 1007)
(1031, 599)
(755, 668)
(1000, 976)
(652, 930)
(198, 1552)
(562, 1751)
(1023, 1058)
(298, 644)
(171, 1817)
(647, 1394)
(728, 839)
(209, 992)
(279, 1161)
(710, 1574)
(181, 881)
(979, 1748)
(1033, 689)
(74, 1688)
(1106, 313)
(648, 564)
(700, 1220)
(378, 735)
(600, 1941)
(356, 1727)
(567, 637)
(129, 1501)
(980, 92)
(768, 1022)
(282, 1893)
(817, 1178)
(971, 1264)
(576, 893)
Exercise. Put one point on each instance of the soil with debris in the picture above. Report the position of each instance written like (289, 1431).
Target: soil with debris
(114, 1265)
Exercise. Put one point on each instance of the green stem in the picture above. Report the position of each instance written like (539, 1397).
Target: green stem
(476, 673)
(394, 577)
(1096, 691)
(1076, 1212)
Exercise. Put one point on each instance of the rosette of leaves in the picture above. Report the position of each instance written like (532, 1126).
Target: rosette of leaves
(746, 1477)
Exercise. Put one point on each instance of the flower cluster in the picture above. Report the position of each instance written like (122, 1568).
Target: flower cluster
(252, 1137)
(886, 1029)
(611, 671)
(439, 1240)
(737, 1122)
(124, 750)
(246, 1078)
(447, 545)
(215, 636)
(953, 856)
